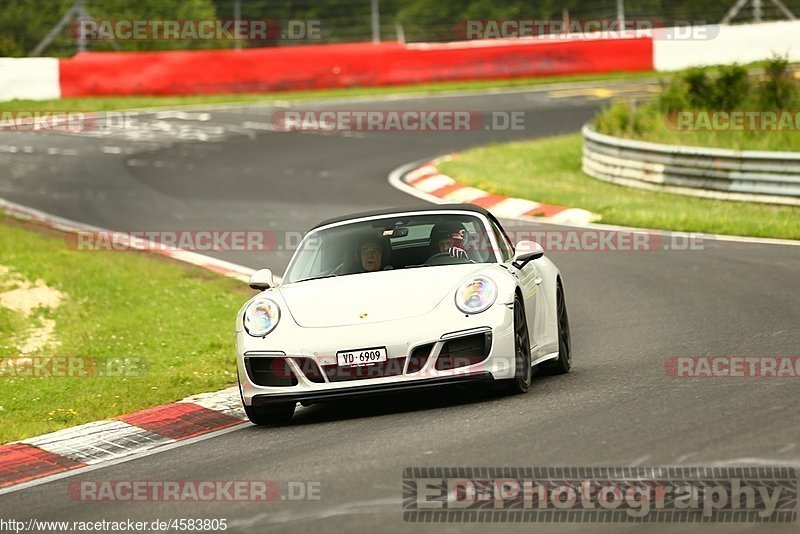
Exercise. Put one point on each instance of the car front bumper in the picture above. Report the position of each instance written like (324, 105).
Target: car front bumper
(300, 350)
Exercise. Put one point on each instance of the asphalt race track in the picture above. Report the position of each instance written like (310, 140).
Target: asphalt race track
(629, 313)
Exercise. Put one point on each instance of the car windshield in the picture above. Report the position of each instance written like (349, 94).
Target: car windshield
(398, 242)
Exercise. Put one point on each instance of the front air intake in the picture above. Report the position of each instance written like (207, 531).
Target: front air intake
(310, 369)
(419, 357)
(464, 351)
(272, 372)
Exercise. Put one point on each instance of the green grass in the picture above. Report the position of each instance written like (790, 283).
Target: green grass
(175, 320)
(137, 102)
(549, 171)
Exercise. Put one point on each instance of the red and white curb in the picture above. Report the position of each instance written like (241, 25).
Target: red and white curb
(426, 182)
(113, 439)
(105, 441)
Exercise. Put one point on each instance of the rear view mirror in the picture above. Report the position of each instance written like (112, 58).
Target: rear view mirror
(395, 231)
(262, 279)
(526, 251)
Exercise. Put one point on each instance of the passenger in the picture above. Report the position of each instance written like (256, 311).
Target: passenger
(373, 254)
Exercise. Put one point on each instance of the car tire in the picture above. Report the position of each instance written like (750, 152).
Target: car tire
(271, 415)
(563, 363)
(523, 374)
(275, 414)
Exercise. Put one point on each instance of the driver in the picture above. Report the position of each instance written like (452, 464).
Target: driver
(450, 239)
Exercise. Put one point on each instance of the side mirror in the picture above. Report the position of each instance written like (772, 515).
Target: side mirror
(526, 251)
(262, 279)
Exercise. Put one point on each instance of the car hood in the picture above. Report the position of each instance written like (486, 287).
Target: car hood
(373, 297)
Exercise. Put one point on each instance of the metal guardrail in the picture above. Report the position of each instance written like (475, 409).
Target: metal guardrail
(748, 175)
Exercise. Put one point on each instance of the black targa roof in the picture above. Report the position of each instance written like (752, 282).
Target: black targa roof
(409, 209)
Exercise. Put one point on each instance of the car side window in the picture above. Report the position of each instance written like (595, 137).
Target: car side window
(506, 250)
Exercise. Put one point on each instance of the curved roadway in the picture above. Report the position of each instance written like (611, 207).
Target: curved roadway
(629, 313)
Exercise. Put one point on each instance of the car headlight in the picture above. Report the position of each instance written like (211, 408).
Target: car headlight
(261, 317)
(476, 295)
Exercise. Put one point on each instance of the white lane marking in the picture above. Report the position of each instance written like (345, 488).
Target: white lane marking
(112, 150)
(53, 151)
(396, 180)
(183, 115)
(254, 125)
(243, 131)
(269, 127)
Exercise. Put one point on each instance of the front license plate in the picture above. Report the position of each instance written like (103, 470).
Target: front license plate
(361, 356)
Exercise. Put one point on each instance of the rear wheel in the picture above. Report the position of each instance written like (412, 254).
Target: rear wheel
(523, 374)
(564, 362)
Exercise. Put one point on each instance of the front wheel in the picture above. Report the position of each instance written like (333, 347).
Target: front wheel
(564, 362)
(275, 414)
(523, 374)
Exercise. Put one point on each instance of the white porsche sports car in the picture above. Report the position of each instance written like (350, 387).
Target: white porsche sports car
(400, 299)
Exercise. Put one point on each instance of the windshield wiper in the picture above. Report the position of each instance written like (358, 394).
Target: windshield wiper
(417, 265)
(318, 277)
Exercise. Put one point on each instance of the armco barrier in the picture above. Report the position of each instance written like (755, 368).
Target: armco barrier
(343, 65)
(772, 177)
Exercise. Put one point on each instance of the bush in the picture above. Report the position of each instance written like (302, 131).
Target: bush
(673, 96)
(730, 88)
(724, 88)
(698, 88)
(614, 119)
(777, 91)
